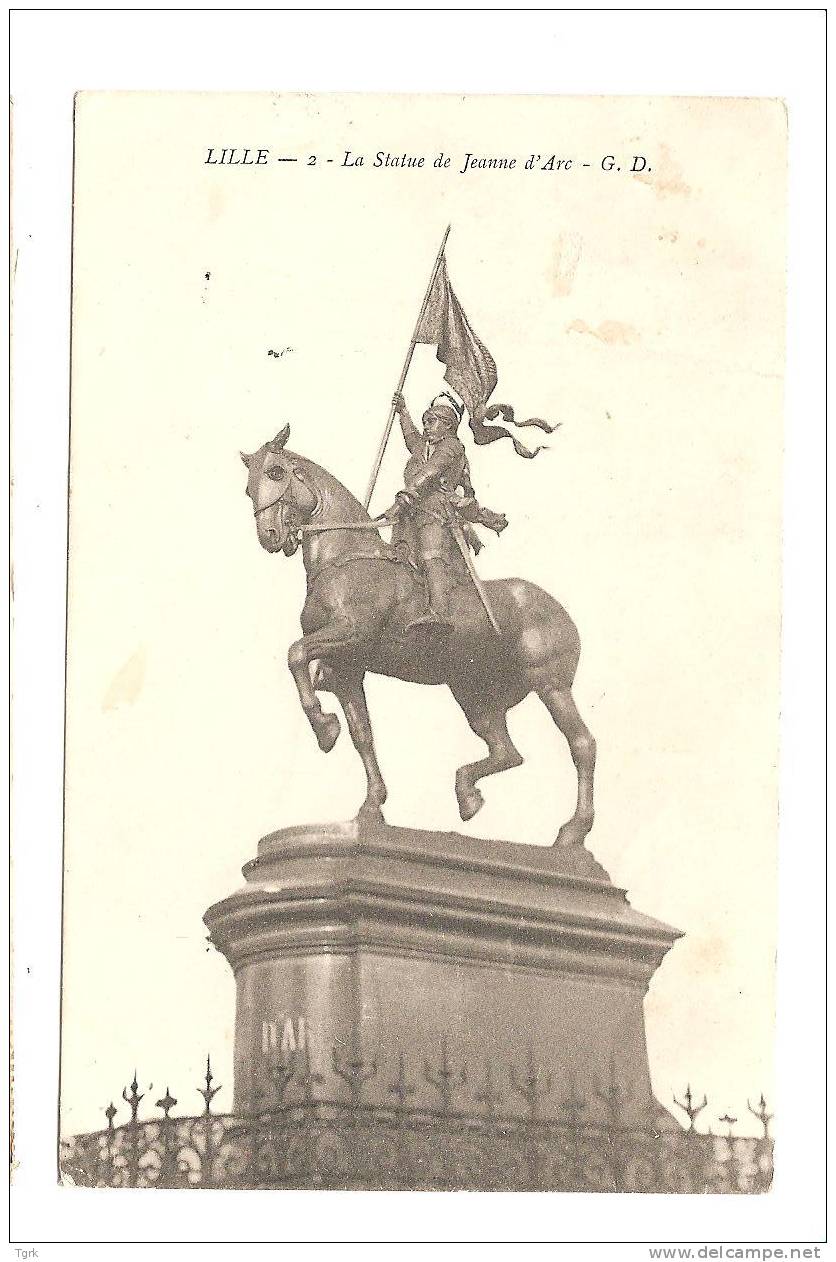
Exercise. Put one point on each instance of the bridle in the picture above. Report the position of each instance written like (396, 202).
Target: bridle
(287, 482)
(311, 527)
(279, 496)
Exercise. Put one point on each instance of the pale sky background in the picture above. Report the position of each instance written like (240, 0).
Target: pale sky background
(646, 314)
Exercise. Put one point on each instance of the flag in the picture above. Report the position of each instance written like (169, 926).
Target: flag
(470, 367)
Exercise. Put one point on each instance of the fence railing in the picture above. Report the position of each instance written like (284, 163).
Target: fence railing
(304, 1138)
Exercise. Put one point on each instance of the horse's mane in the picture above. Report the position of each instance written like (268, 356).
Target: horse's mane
(337, 502)
(337, 507)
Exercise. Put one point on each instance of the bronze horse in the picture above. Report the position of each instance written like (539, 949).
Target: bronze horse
(362, 594)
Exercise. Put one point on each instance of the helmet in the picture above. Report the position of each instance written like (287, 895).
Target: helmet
(445, 407)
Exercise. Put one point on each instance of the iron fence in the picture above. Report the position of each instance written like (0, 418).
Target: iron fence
(474, 1139)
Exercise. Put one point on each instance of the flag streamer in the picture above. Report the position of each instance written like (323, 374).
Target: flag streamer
(490, 433)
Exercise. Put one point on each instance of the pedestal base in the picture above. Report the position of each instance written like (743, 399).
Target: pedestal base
(476, 974)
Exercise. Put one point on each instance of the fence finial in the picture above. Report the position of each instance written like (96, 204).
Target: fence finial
(355, 1073)
(614, 1096)
(445, 1080)
(133, 1100)
(689, 1107)
(401, 1088)
(167, 1103)
(307, 1078)
(208, 1092)
(530, 1087)
(282, 1072)
(729, 1121)
(761, 1114)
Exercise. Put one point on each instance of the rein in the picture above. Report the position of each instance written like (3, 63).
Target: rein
(374, 524)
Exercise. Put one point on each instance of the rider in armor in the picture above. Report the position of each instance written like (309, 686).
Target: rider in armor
(429, 509)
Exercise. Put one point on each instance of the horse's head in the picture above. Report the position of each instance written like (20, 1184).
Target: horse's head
(283, 498)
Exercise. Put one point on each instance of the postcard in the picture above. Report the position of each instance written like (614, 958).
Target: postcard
(423, 642)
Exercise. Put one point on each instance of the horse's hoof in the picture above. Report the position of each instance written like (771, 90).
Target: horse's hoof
(470, 803)
(327, 731)
(569, 837)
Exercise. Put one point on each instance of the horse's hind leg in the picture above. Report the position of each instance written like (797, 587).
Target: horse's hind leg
(352, 697)
(561, 706)
(489, 722)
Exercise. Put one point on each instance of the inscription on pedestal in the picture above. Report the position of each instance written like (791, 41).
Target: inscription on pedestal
(284, 1036)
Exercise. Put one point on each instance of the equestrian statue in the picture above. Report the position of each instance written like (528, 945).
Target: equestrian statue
(414, 608)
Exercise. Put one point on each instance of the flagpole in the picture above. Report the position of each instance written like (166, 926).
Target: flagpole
(399, 387)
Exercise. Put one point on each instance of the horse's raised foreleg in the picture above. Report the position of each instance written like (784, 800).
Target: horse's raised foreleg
(329, 639)
(489, 722)
(561, 706)
(352, 697)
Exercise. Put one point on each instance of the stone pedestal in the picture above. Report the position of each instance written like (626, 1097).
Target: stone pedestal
(450, 964)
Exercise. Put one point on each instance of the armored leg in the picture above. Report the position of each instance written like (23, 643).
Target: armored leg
(434, 549)
(438, 586)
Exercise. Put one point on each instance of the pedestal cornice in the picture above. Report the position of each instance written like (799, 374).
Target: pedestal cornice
(344, 887)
